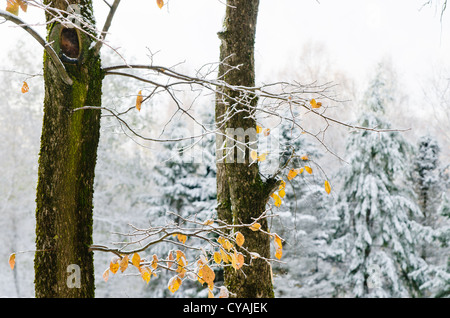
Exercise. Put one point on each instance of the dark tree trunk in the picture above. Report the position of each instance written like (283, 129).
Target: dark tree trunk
(241, 193)
(63, 262)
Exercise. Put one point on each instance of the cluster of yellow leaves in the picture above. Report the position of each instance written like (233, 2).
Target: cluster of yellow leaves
(13, 6)
(281, 194)
(294, 172)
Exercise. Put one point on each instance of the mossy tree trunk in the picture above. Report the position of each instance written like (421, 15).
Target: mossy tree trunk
(63, 262)
(242, 195)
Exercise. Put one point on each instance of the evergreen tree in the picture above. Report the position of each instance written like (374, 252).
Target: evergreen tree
(375, 207)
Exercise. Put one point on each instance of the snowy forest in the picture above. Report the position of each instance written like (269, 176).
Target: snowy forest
(353, 171)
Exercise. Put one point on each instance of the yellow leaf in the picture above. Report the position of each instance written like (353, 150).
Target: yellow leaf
(106, 275)
(208, 275)
(182, 238)
(282, 185)
(258, 129)
(279, 253)
(208, 222)
(139, 100)
(308, 169)
(217, 257)
(25, 88)
(305, 158)
(253, 155)
(237, 260)
(292, 174)
(145, 274)
(224, 256)
(174, 283)
(160, 3)
(12, 6)
(12, 260)
(262, 157)
(136, 260)
(281, 193)
(114, 265)
(123, 263)
(266, 132)
(240, 239)
(277, 199)
(327, 187)
(181, 261)
(315, 104)
(227, 245)
(255, 227)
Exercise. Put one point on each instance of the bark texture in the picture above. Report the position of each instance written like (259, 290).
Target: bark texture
(63, 262)
(241, 193)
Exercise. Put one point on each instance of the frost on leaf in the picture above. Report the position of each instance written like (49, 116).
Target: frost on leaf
(106, 275)
(123, 264)
(223, 292)
(174, 284)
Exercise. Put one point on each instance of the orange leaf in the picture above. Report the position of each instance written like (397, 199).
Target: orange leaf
(305, 158)
(12, 260)
(292, 174)
(154, 261)
(277, 240)
(160, 3)
(266, 132)
(327, 187)
(255, 227)
(25, 87)
(308, 169)
(279, 253)
(224, 256)
(282, 193)
(23, 5)
(208, 275)
(170, 257)
(139, 100)
(136, 260)
(258, 129)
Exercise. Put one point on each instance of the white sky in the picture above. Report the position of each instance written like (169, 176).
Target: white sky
(356, 33)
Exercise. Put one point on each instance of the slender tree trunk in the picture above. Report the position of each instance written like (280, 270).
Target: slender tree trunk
(63, 262)
(241, 193)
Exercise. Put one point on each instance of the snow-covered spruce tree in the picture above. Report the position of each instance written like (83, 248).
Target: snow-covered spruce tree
(375, 206)
(302, 221)
(431, 186)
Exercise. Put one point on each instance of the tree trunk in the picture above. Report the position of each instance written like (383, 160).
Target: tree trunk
(63, 262)
(241, 193)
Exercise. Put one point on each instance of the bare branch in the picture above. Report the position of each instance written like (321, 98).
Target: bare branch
(107, 25)
(56, 61)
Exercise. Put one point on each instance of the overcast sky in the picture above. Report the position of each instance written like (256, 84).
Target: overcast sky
(357, 34)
